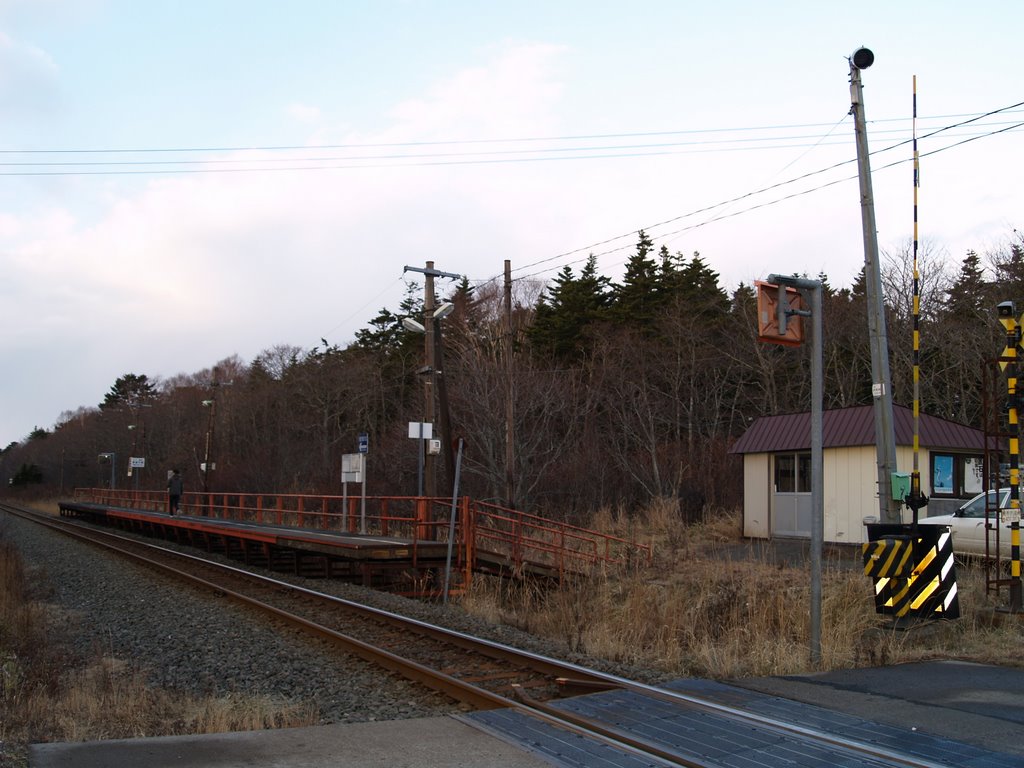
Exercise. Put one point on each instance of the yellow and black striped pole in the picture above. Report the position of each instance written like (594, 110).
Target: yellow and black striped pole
(1008, 318)
(916, 499)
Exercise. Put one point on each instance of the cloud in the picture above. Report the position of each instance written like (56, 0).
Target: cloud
(239, 261)
(514, 95)
(303, 113)
(28, 78)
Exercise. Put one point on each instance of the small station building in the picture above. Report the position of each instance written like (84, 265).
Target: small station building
(776, 453)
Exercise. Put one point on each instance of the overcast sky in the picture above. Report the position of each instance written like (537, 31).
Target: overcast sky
(184, 181)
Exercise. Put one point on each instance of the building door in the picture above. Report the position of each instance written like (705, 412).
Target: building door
(791, 500)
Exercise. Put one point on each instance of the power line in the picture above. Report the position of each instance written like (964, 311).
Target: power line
(349, 162)
(448, 142)
(759, 205)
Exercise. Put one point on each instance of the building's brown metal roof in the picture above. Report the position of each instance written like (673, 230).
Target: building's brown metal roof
(848, 427)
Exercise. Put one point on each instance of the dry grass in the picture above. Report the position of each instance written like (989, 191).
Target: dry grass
(714, 606)
(46, 694)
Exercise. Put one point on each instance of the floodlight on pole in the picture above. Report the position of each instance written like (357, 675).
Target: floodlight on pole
(443, 310)
(113, 462)
(862, 58)
(411, 325)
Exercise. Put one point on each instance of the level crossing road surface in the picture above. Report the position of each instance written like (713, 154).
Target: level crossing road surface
(950, 708)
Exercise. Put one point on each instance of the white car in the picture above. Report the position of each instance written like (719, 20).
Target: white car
(968, 524)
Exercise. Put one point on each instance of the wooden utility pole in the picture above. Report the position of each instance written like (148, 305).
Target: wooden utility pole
(429, 479)
(510, 500)
(430, 366)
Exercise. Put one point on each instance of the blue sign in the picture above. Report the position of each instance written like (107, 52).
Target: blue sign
(364, 442)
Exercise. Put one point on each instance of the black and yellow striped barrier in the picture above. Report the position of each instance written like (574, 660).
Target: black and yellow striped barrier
(914, 575)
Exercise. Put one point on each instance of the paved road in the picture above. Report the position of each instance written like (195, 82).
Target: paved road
(971, 703)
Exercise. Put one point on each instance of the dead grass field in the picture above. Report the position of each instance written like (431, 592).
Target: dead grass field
(46, 695)
(716, 606)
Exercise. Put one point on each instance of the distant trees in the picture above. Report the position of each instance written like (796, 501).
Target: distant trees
(611, 392)
(129, 390)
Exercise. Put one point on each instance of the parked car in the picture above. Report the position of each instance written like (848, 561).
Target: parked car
(968, 524)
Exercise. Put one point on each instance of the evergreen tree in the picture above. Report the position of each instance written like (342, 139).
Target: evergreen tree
(567, 309)
(129, 390)
(968, 296)
(386, 335)
(638, 300)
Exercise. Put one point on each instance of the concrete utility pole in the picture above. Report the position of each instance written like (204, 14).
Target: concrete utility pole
(881, 386)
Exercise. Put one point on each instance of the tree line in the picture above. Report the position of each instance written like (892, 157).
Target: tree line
(612, 393)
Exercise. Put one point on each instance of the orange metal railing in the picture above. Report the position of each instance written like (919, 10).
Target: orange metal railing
(484, 532)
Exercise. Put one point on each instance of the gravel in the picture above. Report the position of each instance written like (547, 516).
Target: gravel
(193, 641)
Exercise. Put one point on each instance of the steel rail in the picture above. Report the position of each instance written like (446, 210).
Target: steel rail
(471, 694)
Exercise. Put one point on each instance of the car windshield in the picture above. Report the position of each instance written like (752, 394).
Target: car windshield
(976, 506)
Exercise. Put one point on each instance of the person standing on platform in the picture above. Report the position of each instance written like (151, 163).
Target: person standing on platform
(175, 486)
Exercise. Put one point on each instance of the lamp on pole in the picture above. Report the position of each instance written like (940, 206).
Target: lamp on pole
(207, 458)
(431, 329)
(112, 457)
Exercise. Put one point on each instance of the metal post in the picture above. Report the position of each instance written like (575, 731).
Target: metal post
(420, 461)
(451, 524)
(362, 502)
(817, 454)
(881, 388)
(442, 395)
(817, 473)
(207, 455)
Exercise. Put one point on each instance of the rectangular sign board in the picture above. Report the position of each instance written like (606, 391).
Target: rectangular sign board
(352, 466)
(427, 427)
(137, 462)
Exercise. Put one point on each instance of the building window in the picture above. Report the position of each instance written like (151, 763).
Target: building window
(792, 473)
(956, 475)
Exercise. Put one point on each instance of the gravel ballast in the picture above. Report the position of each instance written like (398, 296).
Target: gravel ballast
(193, 641)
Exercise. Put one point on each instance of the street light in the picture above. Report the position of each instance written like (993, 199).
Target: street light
(207, 464)
(112, 457)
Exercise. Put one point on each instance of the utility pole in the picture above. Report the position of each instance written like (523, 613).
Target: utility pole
(430, 481)
(510, 500)
(430, 365)
(881, 381)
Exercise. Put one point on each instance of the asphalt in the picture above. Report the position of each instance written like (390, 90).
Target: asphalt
(441, 742)
(973, 704)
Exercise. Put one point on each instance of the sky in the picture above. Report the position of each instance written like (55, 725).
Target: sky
(184, 181)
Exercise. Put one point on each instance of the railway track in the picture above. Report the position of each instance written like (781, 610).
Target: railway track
(481, 674)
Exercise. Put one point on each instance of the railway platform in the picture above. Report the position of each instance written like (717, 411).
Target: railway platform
(395, 543)
(939, 713)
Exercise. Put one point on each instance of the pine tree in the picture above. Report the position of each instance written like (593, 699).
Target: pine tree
(638, 300)
(968, 296)
(131, 390)
(566, 310)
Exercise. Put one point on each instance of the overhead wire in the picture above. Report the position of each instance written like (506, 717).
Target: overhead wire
(706, 209)
(350, 161)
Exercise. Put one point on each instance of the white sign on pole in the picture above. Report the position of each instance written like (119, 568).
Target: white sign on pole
(352, 465)
(421, 429)
(137, 462)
